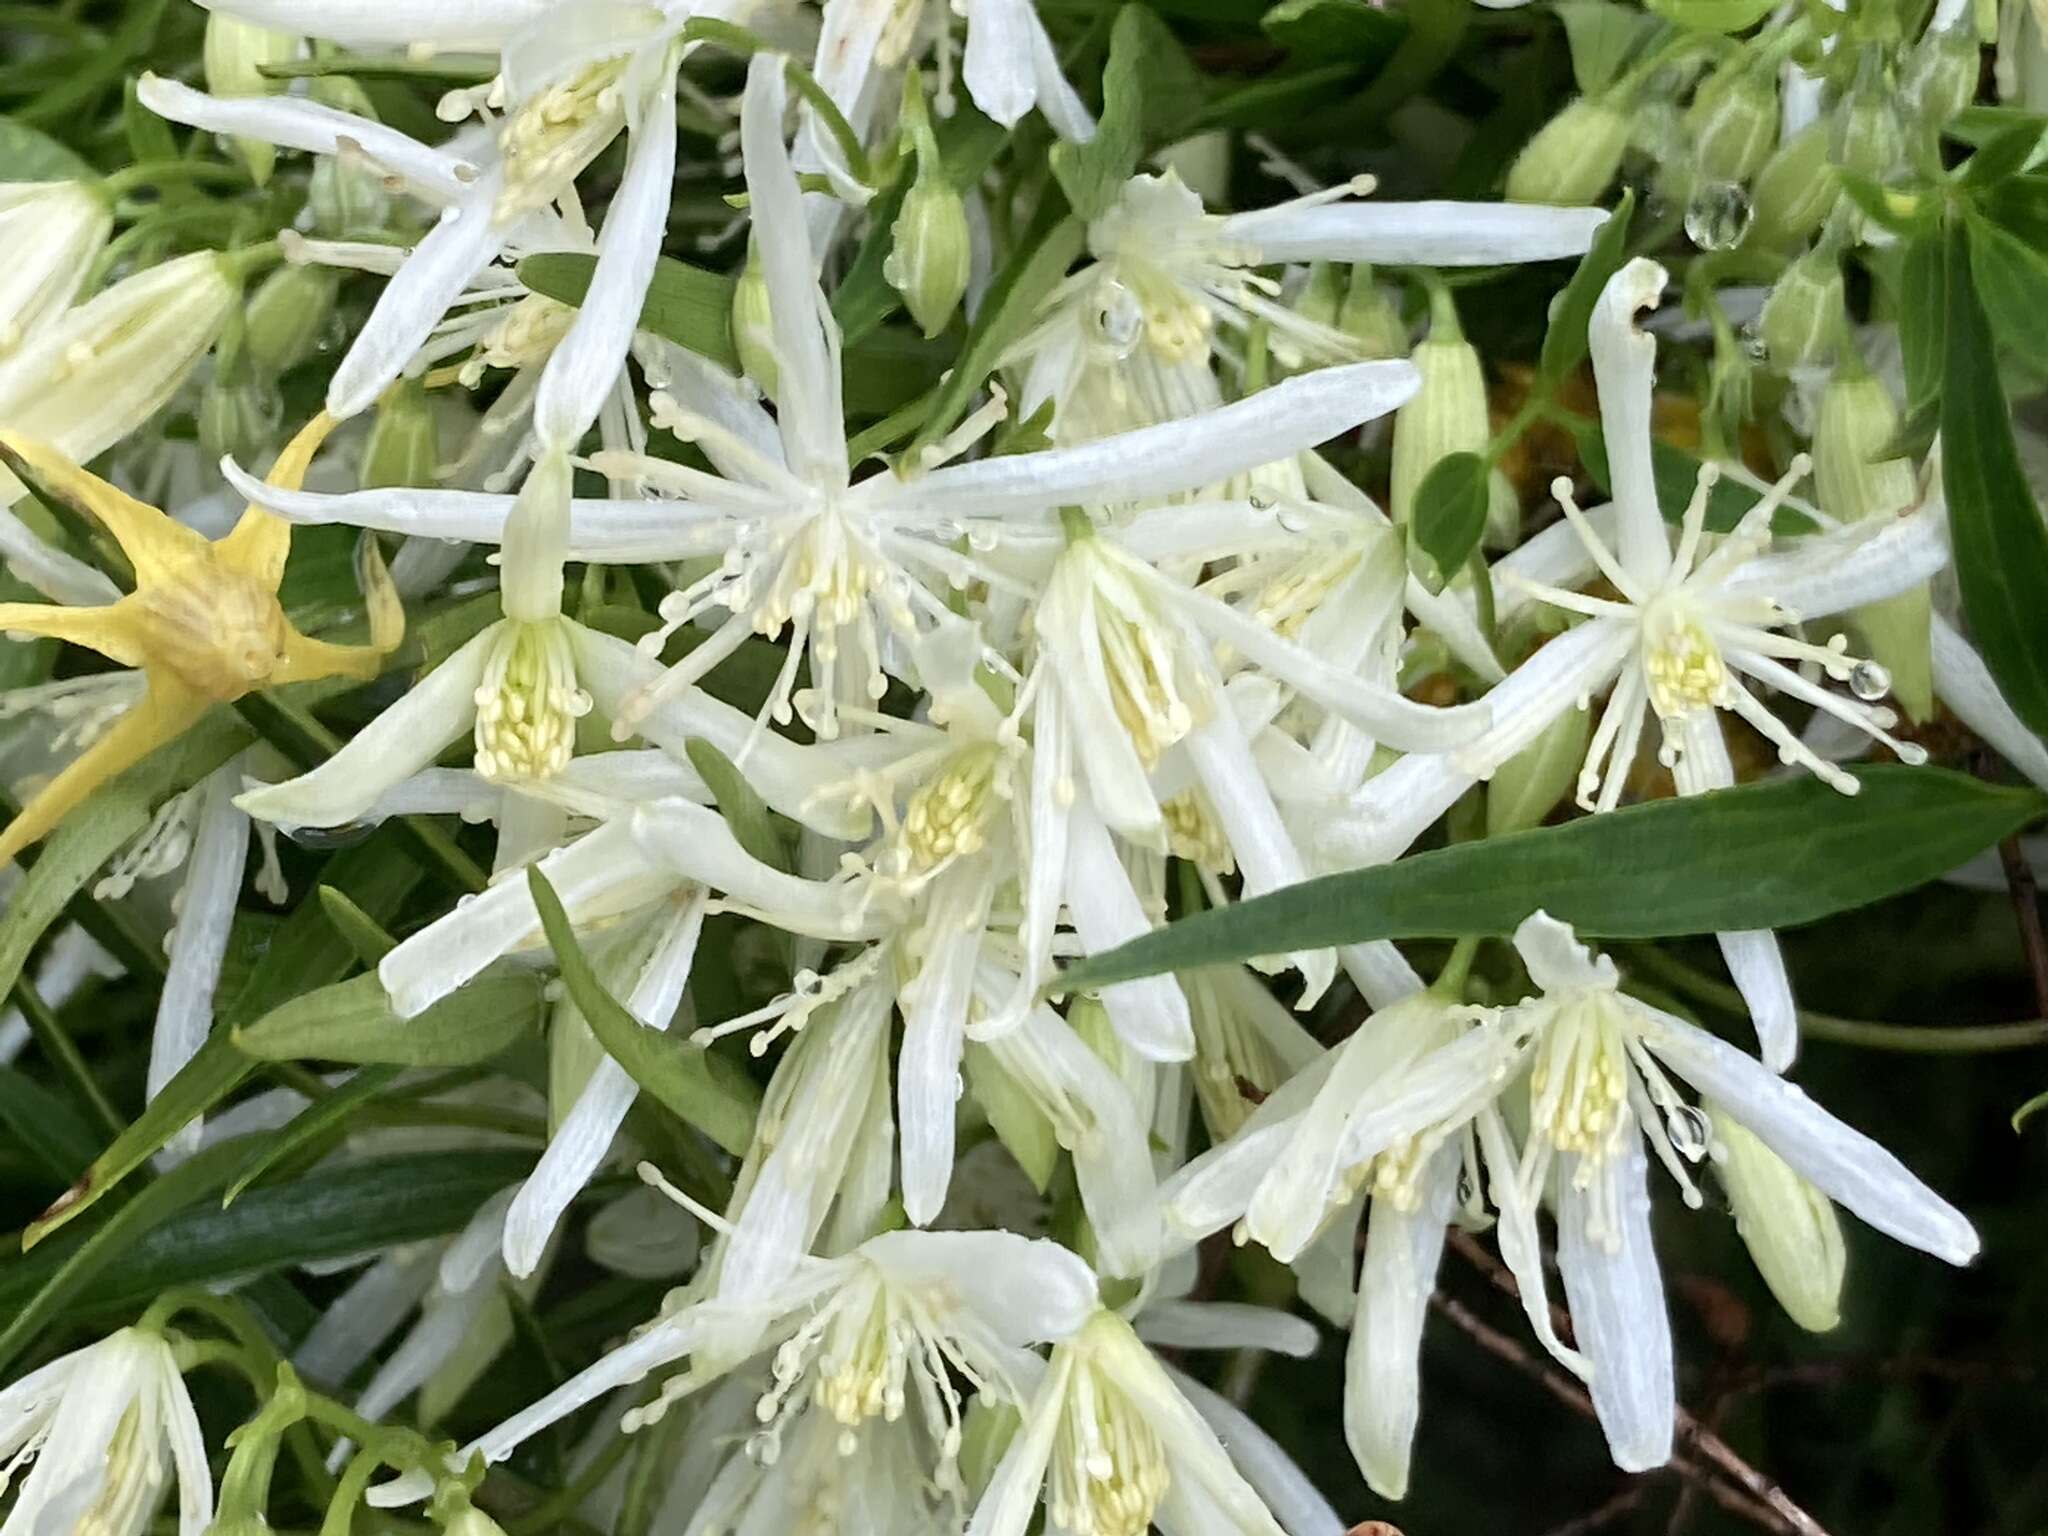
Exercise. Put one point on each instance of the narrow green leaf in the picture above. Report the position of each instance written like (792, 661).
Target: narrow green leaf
(29, 154)
(704, 1090)
(1149, 89)
(1760, 856)
(689, 305)
(2028, 1110)
(1353, 30)
(360, 931)
(1564, 343)
(1923, 286)
(1449, 513)
(354, 1021)
(45, 1126)
(310, 1124)
(1995, 527)
(744, 810)
(2005, 154)
(2012, 284)
(1713, 15)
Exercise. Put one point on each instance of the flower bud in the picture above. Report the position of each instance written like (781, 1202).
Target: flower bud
(1802, 314)
(286, 315)
(1856, 421)
(1447, 414)
(753, 332)
(1866, 136)
(238, 416)
(1573, 157)
(1942, 74)
(928, 259)
(1527, 787)
(52, 232)
(92, 375)
(1794, 191)
(1013, 1114)
(236, 52)
(1789, 1227)
(1370, 317)
(1731, 129)
(404, 447)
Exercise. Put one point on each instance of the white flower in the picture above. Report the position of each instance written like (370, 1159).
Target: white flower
(1600, 1086)
(450, 24)
(1686, 628)
(53, 231)
(103, 1425)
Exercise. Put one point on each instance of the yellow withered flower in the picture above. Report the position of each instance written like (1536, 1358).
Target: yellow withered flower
(203, 623)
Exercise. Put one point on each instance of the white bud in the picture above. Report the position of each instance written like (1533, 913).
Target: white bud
(1789, 1227)
(52, 232)
(236, 52)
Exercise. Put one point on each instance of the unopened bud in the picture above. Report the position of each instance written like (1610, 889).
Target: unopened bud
(1942, 75)
(1794, 191)
(1014, 1114)
(53, 232)
(235, 54)
(1802, 314)
(287, 314)
(238, 416)
(1574, 156)
(1856, 421)
(404, 446)
(753, 332)
(1867, 137)
(1447, 414)
(1370, 318)
(928, 258)
(1789, 1227)
(1731, 129)
(1528, 786)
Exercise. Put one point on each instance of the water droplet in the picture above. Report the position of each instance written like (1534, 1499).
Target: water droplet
(1259, 502)
(345, 836)
(1754, 344)
(1116, 318)
(1718, 215)
(1869, 681)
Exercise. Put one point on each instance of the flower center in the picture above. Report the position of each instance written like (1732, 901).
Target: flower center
(220, 632)
(1681, 664)
(1139, 661)
(1578, 1084)
(525, 333)
(948, 815)
(1193, 834)
(1108, 1470)
(551, 138)
(527, 704)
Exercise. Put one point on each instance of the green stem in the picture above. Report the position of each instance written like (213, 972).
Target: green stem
(57, 1044)
(153, 173)
(1450, 981)
(1911, 1039)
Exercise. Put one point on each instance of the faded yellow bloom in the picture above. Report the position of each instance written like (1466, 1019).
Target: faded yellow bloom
(203, 623)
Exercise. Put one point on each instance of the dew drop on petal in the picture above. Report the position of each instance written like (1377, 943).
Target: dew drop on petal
(1718, 215)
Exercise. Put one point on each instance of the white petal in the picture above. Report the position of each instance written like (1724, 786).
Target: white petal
(1182, 455)
(1203, 1477)
(1521, 1248)
(697, 844)
(1007, 1504)
(998, 63)
(572, 1156)
(1025, 1290)
(296, 122)
(1226, 1325)
(1826, 573)
(1556, 960)
(357, 1322)
(1058, 101)
(1381, 973)
(934, 1022)
(407, 737)
(1562, 674)
(58, 576)
(1848, 1166)
(669, 1339)
(1965, 685)
(188, 1454)
(586, 362)
(1625, 367)
(485, 24)
(1150, 1015)
(1617, 1306)
(1393, 808)
(1428, 234)
(1382, 1367)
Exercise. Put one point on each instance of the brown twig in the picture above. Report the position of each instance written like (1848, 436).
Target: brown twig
(1607, 1513)
(1691, 1432)
(2026, 906)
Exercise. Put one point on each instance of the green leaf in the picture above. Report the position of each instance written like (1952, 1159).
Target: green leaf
(744, 810)
(354, 1021)
(2005, 154)
(1449, 513)
(1995, 528)
(323, 1215)
(1923, 285)
(1713, 15)
(1149, 92)
(1677, 474)
(689, 305)
(1564, 343)
(2012, 283)
(95, 831)
(45, 1126)
(702, 1089)
(1602, 34)
(29, 154)
(360, 931)
(310, 1124)
(2028, 1110)
(1770, 855)
(1353, 30)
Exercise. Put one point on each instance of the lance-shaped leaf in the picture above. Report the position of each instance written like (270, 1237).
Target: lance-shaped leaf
(1564, 344)
(688, 305)
(1760, 856)
(354, 1021)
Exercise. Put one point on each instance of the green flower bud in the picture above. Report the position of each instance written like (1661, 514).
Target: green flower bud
(1573, 157)
(286, 315)
(1446, 415)
(404, 446)
(1013, 1114)
(235, 54)
(1370, 317)
(1527, 787)
(928, 258)
(1857, 419)
(1794, 191)
(985, 1434)
(1789, 1227)
(238, 415)
(753, 332)
(1867, 137)
(346, 196)
(1942, 74)
(1802, 314)
(1732, 128)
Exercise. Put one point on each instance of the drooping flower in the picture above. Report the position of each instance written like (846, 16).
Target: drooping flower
(53, 231)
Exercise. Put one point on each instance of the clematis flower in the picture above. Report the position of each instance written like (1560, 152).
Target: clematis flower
(203, 622)
(103, 1424)
(53, 231)
(1687, 627)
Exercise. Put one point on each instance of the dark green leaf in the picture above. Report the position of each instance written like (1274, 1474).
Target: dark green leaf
(1322, 30)
(1761, 856)
(2012, 284)
(1923, 284)
(1564, 344)
(45, 1126)
(1450, 510)
(702, 1089)
(1149, 92)
(2005, 154)
(2000, 543)
(744, 810)
(354, 1021)
(689, 305)
(310, 1125)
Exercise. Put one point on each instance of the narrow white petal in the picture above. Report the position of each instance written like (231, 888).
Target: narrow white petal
(572, 1156)
(1826, 573)
(1427, 234)
(697, 844)
(1011, 1498)
(1392, 809)
(998, 64)
(1625, 367)
(357, 1322)
(60, 577)
(934, 1024)
(1556, 960)
(188, 1453)
(1226, 1325)
(1151, 1015)
(1381, 972)
(1965, 685)
(1617, 1304)
(1025, 1290)
(1563, 674)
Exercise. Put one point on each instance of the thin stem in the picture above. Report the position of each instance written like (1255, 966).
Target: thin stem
(2026, 906)
(1450, 981)
(152, 173)
(57, 1044)
(1914, 1039)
